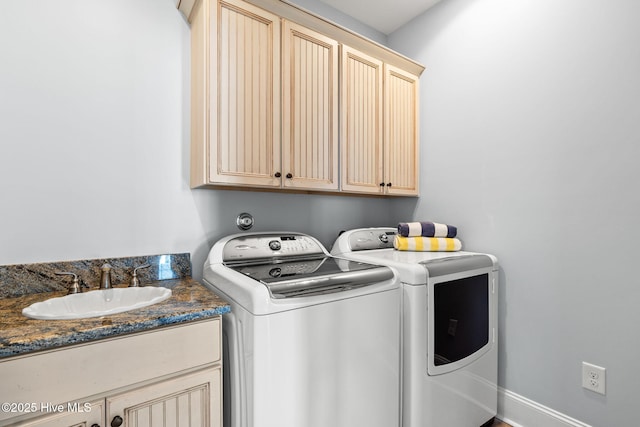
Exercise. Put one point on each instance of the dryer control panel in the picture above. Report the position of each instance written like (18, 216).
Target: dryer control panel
(373, 238)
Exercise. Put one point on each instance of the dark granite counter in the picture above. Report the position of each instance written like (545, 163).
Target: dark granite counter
(19, 335)
(23, 285)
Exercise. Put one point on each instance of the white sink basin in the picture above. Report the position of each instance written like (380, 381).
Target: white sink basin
(96, 303)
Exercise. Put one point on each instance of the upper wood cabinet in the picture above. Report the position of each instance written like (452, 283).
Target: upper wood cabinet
(401, 139)
(259, 117)
(310, 109)
(379, 126)
(274, 104)
(235, 98)
(362, 137)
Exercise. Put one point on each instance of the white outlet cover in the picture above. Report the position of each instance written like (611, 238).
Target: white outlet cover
(594, 378)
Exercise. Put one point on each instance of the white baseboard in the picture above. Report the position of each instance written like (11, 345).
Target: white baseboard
(519, 411)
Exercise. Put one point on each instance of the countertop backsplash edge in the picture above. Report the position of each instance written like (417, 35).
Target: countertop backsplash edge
(25, 279)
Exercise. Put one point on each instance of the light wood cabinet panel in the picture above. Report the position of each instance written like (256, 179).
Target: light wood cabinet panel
(248, 116)
(187, 401)
(280, 99)
(201, 93)
(379, 137)
(293, 13)
(401, 132)
(235, 94)
(185, 6)
(361, 126)
(310, 109)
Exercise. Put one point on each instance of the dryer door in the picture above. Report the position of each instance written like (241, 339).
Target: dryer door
(461, 326)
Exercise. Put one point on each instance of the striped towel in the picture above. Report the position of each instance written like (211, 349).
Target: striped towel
(427, 244)
(426, 229)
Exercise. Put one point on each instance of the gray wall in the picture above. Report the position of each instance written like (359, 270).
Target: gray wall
(530, 145)
(337, 17)
(94, 141)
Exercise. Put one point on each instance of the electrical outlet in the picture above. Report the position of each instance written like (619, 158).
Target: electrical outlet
(593, 377)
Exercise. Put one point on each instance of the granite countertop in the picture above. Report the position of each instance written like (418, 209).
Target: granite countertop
(19, 335)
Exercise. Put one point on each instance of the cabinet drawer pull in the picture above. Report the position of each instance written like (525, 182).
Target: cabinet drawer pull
(116, 421)
(388, 184)
(277, 175)
(289, 176)
(382, 184)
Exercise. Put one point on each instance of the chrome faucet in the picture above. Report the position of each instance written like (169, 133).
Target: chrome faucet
(135, 282)
(75, 287)
(105, 276)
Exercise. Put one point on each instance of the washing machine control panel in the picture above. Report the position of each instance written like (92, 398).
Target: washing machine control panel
(271, 245)
(275, 245)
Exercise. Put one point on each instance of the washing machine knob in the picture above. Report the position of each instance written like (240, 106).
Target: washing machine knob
(275, 272)
(275, 245)
(383, 238)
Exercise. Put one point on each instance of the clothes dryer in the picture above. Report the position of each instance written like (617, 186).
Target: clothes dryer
(449, 311)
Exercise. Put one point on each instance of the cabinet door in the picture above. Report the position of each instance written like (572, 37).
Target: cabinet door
(310, 109)
(192, 400)
(361, 122)
(401, 132)
(75, 414)
(245, 100)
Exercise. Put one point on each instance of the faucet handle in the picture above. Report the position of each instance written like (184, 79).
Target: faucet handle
(135, 282)
(75, 286)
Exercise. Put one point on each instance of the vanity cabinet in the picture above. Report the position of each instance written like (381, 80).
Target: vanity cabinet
(165, 377)
(379, 126)
(189, 400)
(269, 88)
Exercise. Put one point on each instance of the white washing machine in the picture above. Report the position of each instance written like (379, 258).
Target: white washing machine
(311, 340)
(450, 302)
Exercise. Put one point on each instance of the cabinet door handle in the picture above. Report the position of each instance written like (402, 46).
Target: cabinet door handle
(116, 421)
(289, 176)
(95, 425)
(277, 175)
(382, 184)
(388, 184)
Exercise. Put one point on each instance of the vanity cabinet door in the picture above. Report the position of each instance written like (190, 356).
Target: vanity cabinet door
(310, 109)
(84, 414)
(401, 132)
(361, 122)
(192, 400)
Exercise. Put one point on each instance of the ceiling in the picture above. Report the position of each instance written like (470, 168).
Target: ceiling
(385, 16)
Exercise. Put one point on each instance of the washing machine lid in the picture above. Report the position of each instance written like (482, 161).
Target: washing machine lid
(291, 264)
(289, 277)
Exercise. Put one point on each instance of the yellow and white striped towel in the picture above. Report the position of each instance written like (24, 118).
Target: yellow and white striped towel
(427, 244)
